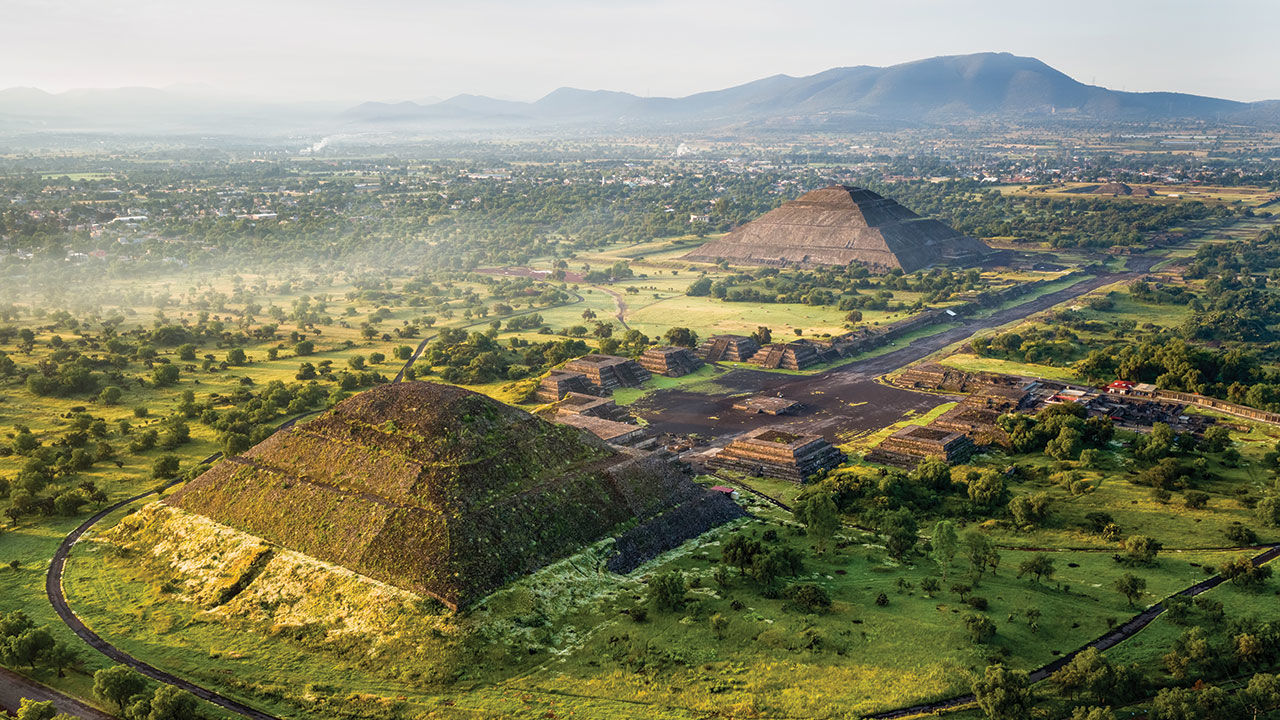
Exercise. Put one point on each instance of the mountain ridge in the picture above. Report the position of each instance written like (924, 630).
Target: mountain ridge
(932, 91)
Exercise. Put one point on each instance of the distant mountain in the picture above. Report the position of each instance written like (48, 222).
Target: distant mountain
(984, 85)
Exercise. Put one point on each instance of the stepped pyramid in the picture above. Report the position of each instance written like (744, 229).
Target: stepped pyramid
(839, 225)
(448, 493)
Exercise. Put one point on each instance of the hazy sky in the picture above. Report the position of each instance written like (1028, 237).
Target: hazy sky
(399, 49)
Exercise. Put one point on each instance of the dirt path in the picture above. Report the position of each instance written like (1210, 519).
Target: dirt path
(621, 315)
(15, 687)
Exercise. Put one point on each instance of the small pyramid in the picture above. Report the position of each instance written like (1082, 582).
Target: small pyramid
(839, 225)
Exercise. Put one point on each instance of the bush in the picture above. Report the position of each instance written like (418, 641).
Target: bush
(813, 598)
(666, 590)
(1195, 499)
(882, 600)
(980, 628)
(1241, 535)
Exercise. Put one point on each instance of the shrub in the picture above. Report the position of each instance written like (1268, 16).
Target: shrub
(980, 628)
(666, 590)
(813, 598)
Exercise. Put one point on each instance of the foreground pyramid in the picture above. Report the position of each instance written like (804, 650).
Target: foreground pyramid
(839, 225)
(449, 493)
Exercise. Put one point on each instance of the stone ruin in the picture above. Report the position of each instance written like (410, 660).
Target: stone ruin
(795, 355)
(559, 383)
(908, 446)
(731, 348)
(609, 372)
(777, 453)
(670, 361)
(592, 406)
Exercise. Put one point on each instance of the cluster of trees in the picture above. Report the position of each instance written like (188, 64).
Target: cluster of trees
(1046, 346)
(23, 644)
(976, 210)
(479, 357)
(130, 693)
(1090, 685)
(850, 287)
(1063, 431)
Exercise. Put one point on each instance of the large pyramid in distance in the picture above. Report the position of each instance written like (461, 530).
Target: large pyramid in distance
(449, 493)
(839, 225)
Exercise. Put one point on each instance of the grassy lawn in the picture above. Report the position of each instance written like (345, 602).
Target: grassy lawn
(769, 659)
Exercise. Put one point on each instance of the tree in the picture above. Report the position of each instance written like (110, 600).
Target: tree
(762, 335)
(236, 356)
(1262, 694)
(117, 684)
(1209, 703)
(165, 375)
(900, 532)
(1037, 566)
(1268, 511)
(304, 347)
(666, 590)
(171, 703)
(1131, 587)
(165, 467)
(1242, 572)
(1028, 511)
(1141, 550)
(740, 551)
(1195, 499)
(60, 656)
(110, 395)
(31, 710)
(26, 647)
(932, 473)
(1003, 694)
(1087, 674)
(234, 443)
(699, 288)
(1066, 446)
(813, 598)
(356, 362)
(980, 628)
(820, 517)
(719, 625)
(982, 556)
(682, 336)
(945, 544)
(986, 488)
